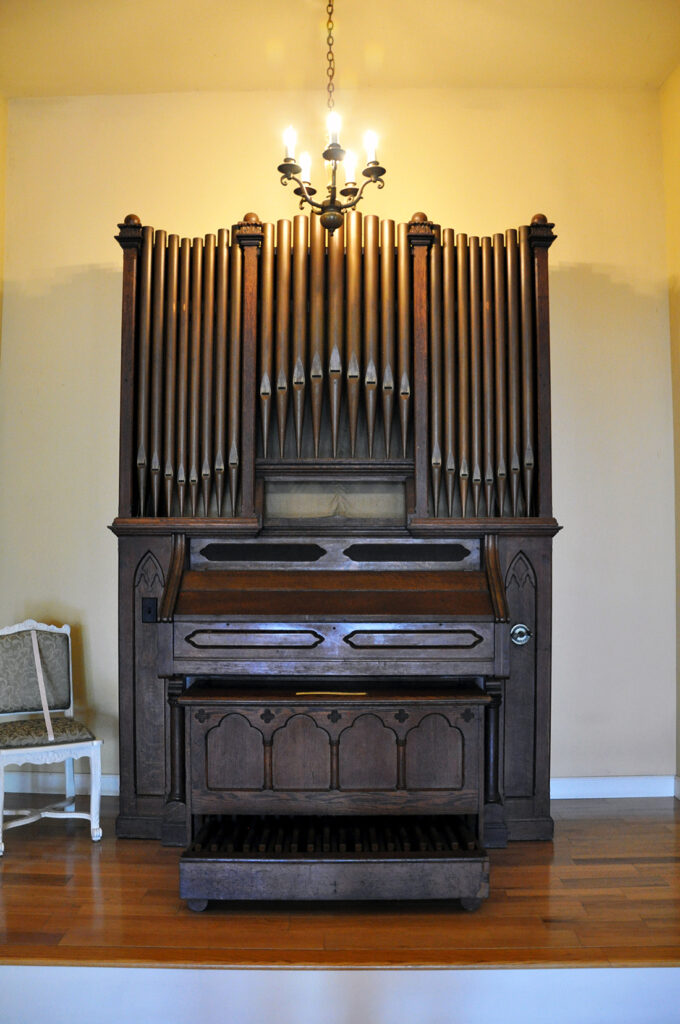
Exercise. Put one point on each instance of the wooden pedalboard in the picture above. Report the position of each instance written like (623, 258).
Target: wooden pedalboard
(334, 795)
(339, 858)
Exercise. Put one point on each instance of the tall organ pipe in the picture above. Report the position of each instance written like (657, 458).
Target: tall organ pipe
(514, 369)
(157, 312)
(488, 373)
(207, 325)
(266, 331)
(336, 298)
(387, 327)
(234, 407)
(526, 275)
(449, 286)
(145, 265)
(282, 348)
(500, 341)
(183, 372)
(463, 277)
(435, 303)
(353, 324)
(404, 331)
(221, 320)
(371, 310)
(317, 282)
(195, 364)
(170, 346)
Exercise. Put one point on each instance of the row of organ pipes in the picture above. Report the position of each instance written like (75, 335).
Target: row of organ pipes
(334, 377)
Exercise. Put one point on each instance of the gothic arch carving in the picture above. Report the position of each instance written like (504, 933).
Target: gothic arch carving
(301, 755)
(520, 573)
(234, 754)
(423, 771)
(149, 576)
(367, 755)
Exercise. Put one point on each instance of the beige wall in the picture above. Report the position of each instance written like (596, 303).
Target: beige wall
(3, 169)
(670, 113)
(475, 160)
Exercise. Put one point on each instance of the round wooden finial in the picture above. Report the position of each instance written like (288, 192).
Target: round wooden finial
(251, 218)
(539, 218)
(132, 220)
(419, 218)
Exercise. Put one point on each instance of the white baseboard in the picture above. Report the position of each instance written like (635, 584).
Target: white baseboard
(53, 782)
(610, 786)
(613, 786)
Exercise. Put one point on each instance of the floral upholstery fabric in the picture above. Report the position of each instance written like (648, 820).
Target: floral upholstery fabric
(31, 732)
(18, 678)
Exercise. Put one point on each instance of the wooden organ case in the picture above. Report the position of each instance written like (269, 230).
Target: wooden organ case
(335, 532)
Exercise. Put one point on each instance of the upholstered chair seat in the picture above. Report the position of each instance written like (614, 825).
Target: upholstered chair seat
(30, 732)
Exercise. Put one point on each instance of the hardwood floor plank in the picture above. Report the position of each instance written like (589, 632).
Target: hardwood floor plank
(606, 892)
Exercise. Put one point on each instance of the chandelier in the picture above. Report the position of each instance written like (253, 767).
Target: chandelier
(332, 208)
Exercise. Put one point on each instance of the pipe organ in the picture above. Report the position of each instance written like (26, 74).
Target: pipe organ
(335, 530)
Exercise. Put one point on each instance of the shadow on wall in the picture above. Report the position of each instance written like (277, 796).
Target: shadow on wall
(59, 395)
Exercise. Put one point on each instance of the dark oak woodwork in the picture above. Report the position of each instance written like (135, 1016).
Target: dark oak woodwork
(451, 331)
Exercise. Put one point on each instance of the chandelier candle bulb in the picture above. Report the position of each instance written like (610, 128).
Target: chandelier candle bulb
(333, 124)
(370, 145)
(289, 140)
(350, 165)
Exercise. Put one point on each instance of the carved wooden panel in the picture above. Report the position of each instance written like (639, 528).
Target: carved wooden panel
(301, 755)
(234, 755)
(367, 755)
(149, 692)
(520, 694)
(227, 646)
(434, 755)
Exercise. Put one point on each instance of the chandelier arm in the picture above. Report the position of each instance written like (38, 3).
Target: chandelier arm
(306, 195)
(353, 202)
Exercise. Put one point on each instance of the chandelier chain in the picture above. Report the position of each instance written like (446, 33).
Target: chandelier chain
(330, 56)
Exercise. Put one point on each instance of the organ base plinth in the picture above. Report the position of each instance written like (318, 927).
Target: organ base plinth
(343, 858)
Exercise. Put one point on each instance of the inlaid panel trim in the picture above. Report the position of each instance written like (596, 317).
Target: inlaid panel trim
(421, 639)
(224, 639)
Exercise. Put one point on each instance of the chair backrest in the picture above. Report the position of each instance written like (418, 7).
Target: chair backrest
(19, 688)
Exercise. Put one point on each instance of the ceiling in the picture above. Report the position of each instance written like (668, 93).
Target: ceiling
(82, 47)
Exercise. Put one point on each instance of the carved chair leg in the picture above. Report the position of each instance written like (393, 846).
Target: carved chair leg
(95, 791)
(70, 784)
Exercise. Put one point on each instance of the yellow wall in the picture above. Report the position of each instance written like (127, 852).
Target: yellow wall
(670, 113)
(475, 160)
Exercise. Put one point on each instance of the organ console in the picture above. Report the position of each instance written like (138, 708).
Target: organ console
(335, 532)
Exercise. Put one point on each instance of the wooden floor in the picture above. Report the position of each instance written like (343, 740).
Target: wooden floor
(605, 893)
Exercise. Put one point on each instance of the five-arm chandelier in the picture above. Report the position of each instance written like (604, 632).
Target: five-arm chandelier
(332, 208)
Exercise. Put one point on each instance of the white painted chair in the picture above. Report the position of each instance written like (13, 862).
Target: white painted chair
(35, 682)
